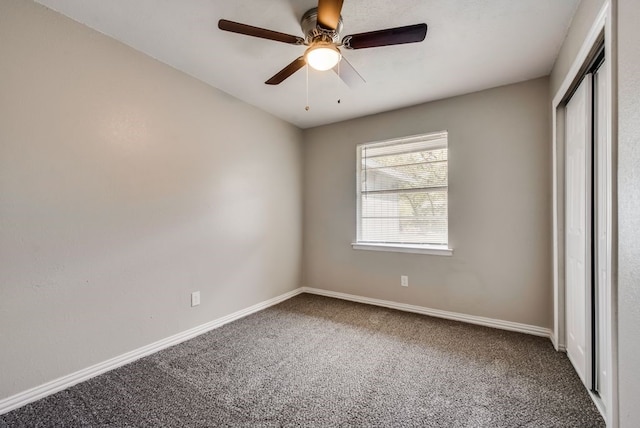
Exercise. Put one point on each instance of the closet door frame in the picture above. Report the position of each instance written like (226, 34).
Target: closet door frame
(600, 33)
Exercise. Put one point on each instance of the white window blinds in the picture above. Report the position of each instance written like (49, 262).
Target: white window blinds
(402, 191)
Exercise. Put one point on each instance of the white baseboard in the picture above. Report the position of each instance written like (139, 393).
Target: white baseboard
(471, 319)
(560, 347)
(41, 391)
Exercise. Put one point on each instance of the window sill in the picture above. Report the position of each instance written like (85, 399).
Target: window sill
(434, 250)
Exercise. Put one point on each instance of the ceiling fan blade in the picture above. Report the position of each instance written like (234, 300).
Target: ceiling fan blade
(329, 13)
(348, 74)
(391, 36)
(249, 30)
(296, 65)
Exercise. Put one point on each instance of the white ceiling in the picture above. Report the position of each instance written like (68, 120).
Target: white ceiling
(470, 45)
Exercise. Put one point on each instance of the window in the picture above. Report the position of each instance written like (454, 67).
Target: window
(403, 195)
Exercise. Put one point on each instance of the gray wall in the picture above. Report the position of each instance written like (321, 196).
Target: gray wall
(124, 186)
(629, 211)
(499, 197)
(580, 25)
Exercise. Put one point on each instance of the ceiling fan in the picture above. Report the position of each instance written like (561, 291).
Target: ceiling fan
(321, 27)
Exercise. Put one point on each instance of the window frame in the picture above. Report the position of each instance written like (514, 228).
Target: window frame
(432, 249)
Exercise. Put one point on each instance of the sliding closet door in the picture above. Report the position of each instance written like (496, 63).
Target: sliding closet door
(603, 219)
(578, 229)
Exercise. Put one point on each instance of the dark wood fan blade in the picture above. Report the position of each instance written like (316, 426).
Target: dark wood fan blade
(249, 30)
(388, 37)
(329, 13)
(296, 65)
(348, 74)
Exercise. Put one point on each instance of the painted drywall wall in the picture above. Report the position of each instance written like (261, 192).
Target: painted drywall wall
(580, 25)
(499, 199)
(124, 186)
(628, 211)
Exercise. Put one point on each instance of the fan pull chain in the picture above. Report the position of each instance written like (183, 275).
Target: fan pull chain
(307, 70)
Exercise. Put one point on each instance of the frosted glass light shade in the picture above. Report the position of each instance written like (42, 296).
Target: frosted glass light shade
(322, 57)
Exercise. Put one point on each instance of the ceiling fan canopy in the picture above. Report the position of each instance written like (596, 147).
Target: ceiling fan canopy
(321, 27)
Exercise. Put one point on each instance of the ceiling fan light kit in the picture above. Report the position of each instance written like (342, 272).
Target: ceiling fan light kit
(322, 56)
(321, 27)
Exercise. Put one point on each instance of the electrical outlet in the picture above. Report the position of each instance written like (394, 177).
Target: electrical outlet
(195, 298)
(404, 280)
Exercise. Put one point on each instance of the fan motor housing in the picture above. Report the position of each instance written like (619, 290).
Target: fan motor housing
(313, 32)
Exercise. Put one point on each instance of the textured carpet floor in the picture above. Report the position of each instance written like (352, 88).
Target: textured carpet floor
(316, 361)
